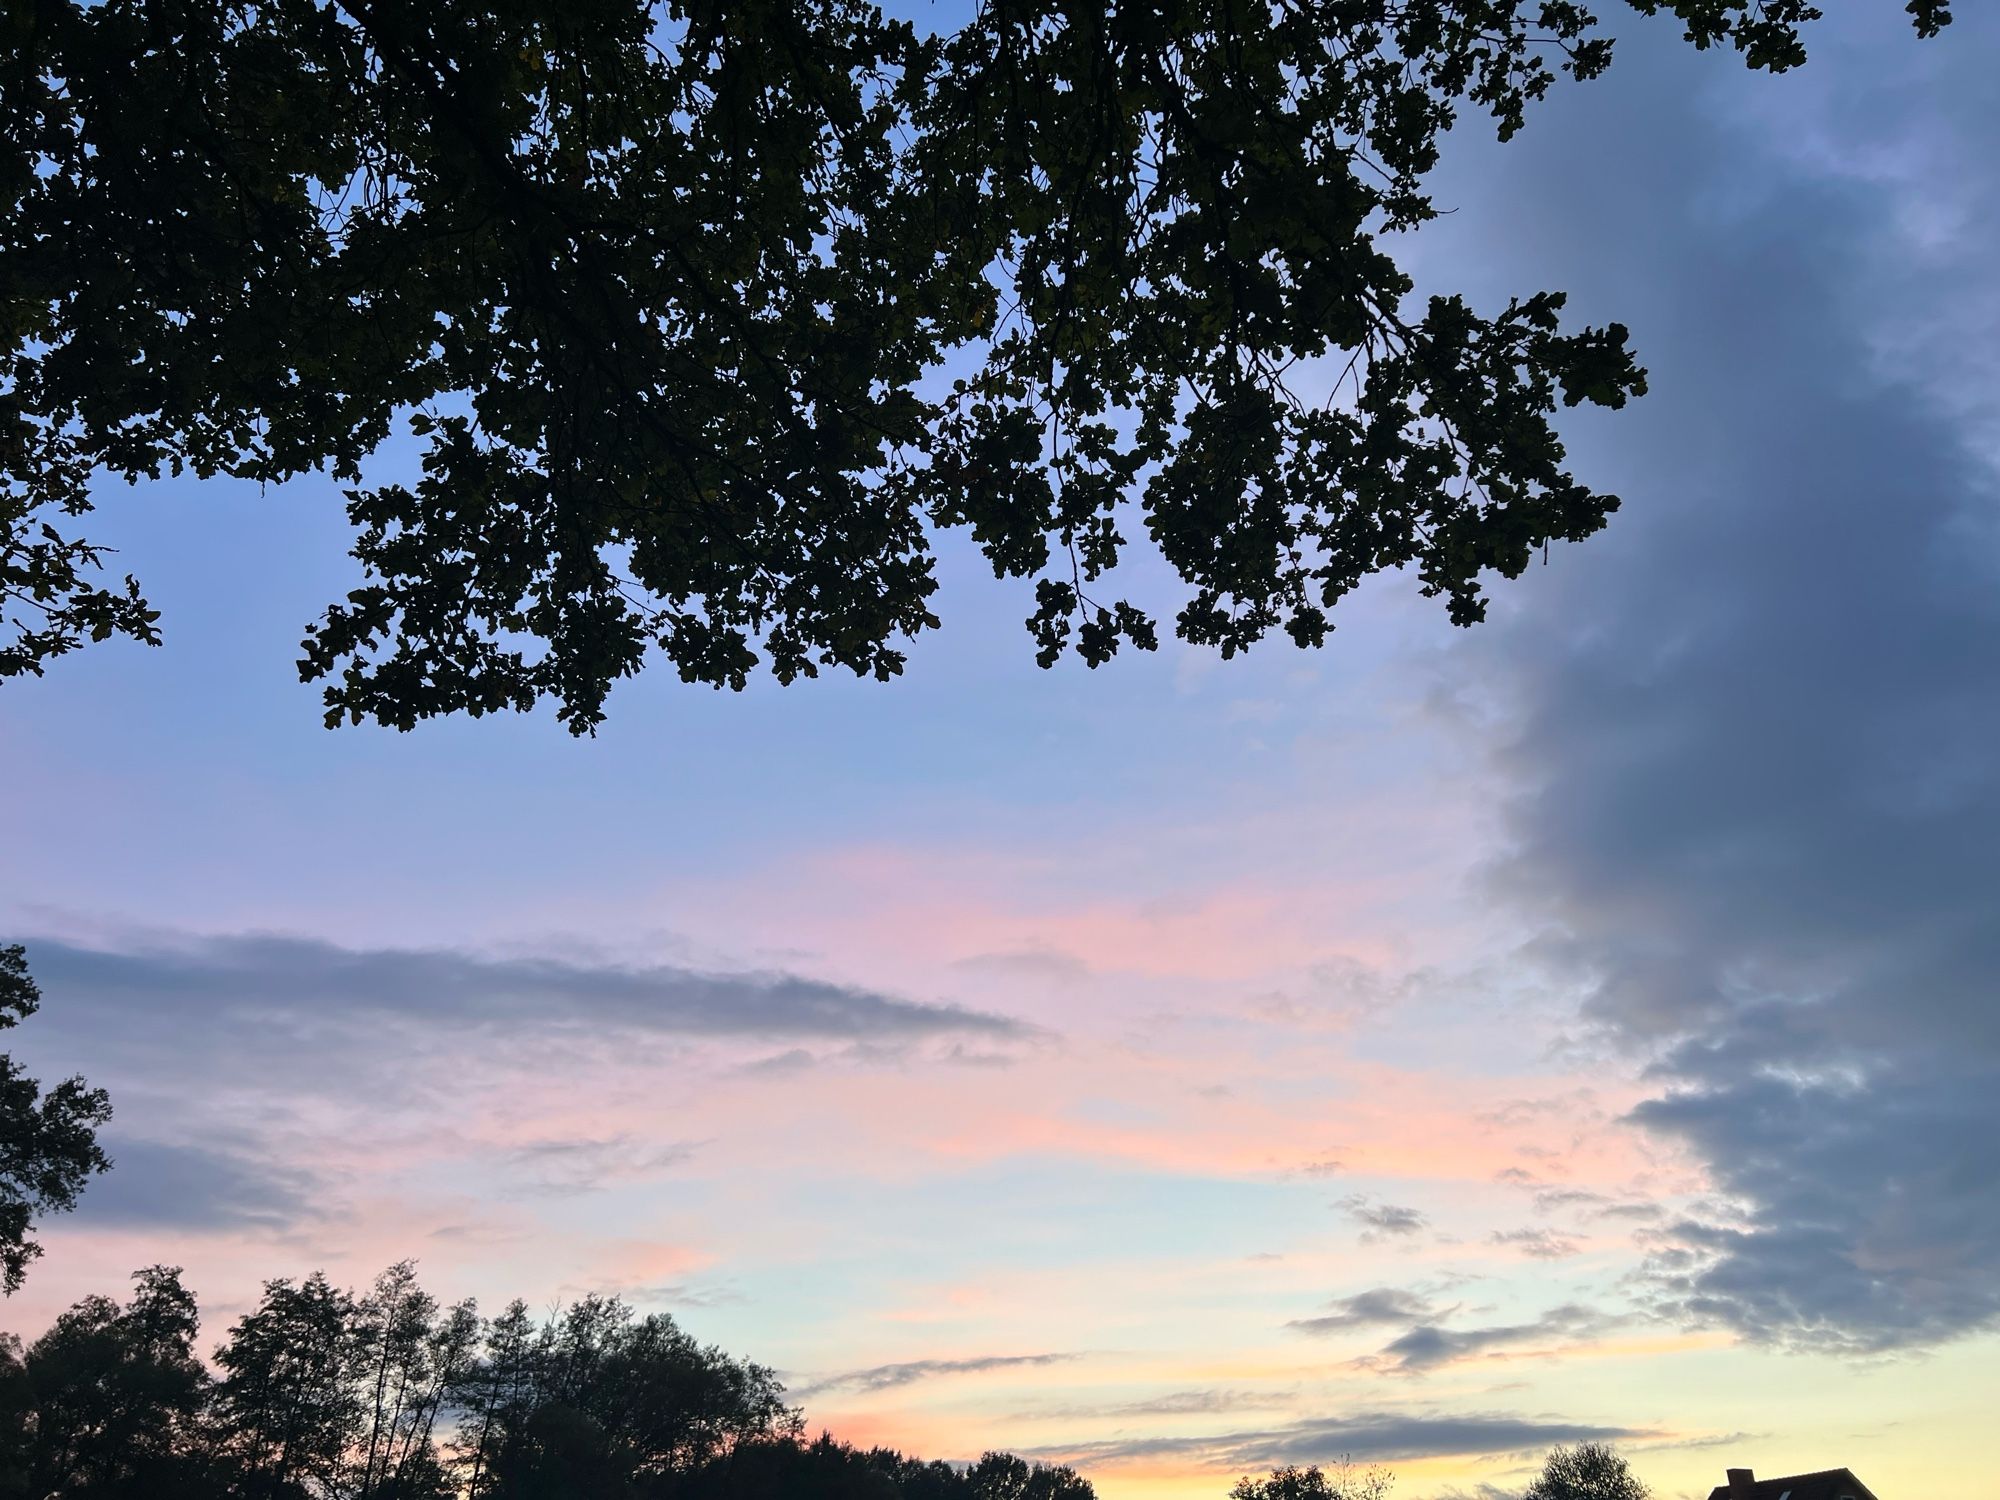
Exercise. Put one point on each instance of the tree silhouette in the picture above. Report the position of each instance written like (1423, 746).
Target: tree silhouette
(285, 1413)
(115, 1394)
(1344, 1482)
(825, 1469)
(611, 1400)
(710, 318)
(493, 1391)
(323, 1395)
(1588, 1471)
(48, 1142)
(1002, 1476)
(406, 1358)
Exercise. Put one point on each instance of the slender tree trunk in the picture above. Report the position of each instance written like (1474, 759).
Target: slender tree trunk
(375, 1429)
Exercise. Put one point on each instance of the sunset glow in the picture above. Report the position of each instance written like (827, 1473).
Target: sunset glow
(1429, 1049)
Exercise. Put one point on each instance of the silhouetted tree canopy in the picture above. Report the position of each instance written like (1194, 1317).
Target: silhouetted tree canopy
(1342, 1482)
(828, 1470)
(320, 1394)
(710, 319)
(109, 1398)
(48, 1141)
(1588, 1471)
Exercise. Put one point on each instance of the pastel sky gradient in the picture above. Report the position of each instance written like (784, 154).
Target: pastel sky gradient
(1429, 1048)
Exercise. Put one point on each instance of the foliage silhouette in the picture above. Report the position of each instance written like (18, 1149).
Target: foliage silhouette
(1588, 1471)
(48, 1142)
(710, 317)
(318, 1394)
(1294, 1483)
(107, 1402)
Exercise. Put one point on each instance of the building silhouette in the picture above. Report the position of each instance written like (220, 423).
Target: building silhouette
(1827, 1484)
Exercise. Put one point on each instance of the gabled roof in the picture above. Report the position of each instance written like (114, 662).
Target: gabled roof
(1827, 1484)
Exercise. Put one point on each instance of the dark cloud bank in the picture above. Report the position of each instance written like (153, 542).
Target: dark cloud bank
(210, 1046)
(1756, 745)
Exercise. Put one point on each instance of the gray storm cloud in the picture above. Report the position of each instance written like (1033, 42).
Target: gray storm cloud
(1753, 801)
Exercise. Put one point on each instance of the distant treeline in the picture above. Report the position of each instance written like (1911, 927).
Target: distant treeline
(319, 1394)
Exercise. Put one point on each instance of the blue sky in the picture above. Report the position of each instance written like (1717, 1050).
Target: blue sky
(1635, 945)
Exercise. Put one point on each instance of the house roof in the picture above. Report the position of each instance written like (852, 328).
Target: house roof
(1827, 1484)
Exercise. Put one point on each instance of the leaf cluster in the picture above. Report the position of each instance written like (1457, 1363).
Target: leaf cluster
(48, 1140)
(710, 320)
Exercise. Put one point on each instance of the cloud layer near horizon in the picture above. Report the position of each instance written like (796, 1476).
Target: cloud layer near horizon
(1368, 1436)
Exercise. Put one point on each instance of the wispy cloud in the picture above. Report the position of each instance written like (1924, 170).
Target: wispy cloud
(887, 1377)
(1372, 1308)
(290, 979)
(580, 1164)
(1430, 1346)
(1033, 965)
(278, 1021)
(1376, 1435)
(1381, 1220)
(1170, 1404)
(1553, 1200)
(1537, 1244)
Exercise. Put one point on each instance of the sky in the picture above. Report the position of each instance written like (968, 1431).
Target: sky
(1430, 1048)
